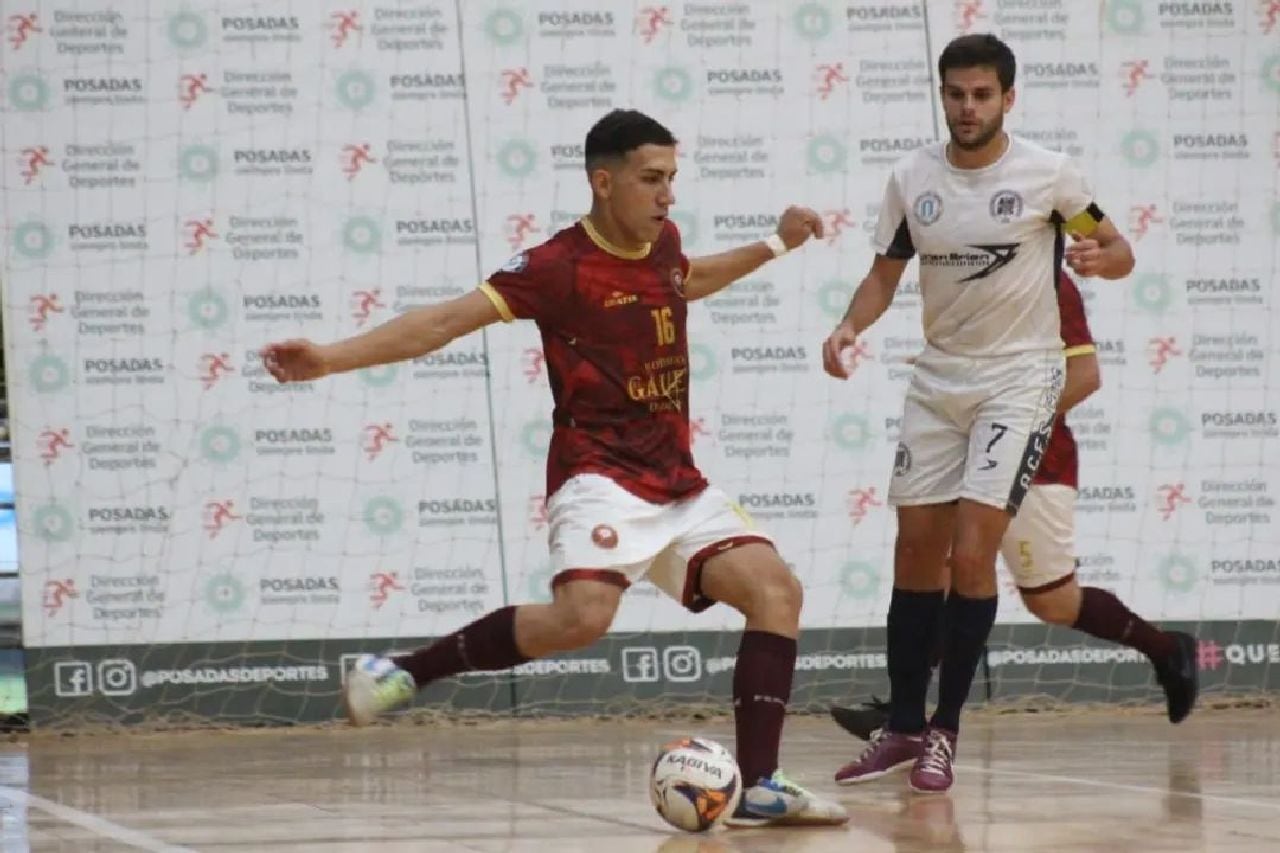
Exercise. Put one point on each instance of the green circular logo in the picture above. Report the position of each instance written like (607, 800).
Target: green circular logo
(673, 84)
(812, 21)
(361, 235)
(187, 31)
(859, 580)
(504, 26)
(380, 375)
(1178, 573)
(536, 438)
(1152, 292)
(1271, 73)
(687, 225)
(851, 432)
(833, 298)
(383, 516)
(198, 163)
(48, 374)
(220, 444)
(1140, 148)
(356, 89)
(517, 158)
(32, 240)
(28, 93)
(702, 362)
(207, 309)
(1125, 16)
(1168, 426)
(54, 523)
(827, 155)
(224, 593)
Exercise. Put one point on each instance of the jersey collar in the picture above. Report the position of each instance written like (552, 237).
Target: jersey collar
(605, 245)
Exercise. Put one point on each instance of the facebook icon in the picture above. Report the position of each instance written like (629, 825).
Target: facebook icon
(72, 678)
(640, 664)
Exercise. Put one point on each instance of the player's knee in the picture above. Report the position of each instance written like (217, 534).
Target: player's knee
(1050, 608)
(584, 623)
(973, 574)
(775, 593)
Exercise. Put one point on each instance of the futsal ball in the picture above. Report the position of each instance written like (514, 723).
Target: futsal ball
(695, 784)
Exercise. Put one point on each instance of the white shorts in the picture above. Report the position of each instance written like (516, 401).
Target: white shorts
(600, 531)
(1039, 544)
(975, 428)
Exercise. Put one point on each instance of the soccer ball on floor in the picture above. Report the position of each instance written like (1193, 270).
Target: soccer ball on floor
(695, 784)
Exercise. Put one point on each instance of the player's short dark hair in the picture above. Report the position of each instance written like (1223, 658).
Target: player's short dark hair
(976, 51)
(620, 132)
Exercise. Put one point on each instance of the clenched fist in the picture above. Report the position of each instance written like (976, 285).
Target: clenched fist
(798, 224)
(296, 360)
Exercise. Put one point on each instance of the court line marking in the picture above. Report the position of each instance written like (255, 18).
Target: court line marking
(1120, 786)
(98, 825)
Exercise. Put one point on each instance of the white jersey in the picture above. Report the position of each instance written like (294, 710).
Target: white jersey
(990, 243)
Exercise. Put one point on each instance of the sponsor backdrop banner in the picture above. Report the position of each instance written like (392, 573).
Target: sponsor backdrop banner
(180, 186)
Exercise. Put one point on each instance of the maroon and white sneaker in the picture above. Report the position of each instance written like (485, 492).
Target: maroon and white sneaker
(886, 752)
(932, 773)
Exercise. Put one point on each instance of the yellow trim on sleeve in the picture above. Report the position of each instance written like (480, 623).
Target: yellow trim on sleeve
(1082, 223)
(1082, 349)
(504, 310)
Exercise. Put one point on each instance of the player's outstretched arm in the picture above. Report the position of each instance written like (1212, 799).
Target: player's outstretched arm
(1104, 253)
(870, 300)
(414, 333)
(711, 273)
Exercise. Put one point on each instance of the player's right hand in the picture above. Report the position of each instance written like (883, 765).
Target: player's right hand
(834, 348)
(295, 360)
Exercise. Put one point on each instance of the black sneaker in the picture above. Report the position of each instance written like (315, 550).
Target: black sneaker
(861, 722)
(1179, 675)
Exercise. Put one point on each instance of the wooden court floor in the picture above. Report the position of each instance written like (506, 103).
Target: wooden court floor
(1071, 782)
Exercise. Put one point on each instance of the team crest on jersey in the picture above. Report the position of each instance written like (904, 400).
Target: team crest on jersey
(604, 536)
(516, 263)
(902, 460)
(1005, 206)
(928, 208)
(677, 281)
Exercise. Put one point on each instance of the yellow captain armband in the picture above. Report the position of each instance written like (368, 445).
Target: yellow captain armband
(1085, 222)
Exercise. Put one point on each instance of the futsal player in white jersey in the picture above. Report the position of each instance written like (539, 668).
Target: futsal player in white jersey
(989, 215)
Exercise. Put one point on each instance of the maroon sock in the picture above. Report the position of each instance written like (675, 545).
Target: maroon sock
(1104, 616)
(489, 643)
(761, 690)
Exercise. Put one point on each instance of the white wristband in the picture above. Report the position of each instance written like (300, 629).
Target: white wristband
(775, 244)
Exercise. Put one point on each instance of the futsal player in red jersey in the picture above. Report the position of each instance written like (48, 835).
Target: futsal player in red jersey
(626, 501)
(1039, 550)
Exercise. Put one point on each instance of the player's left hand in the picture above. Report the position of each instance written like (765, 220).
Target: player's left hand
(798, 224)
(1084, 256)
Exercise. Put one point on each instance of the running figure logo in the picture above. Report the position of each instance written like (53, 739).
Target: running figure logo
(1162, 349)
(354, 157)
(216, 516)
(20, 29)
(376, 437)
(651, 20)
(213, 367)
(382, 585)
(51, 442)
(365, 301)
(513, 80)
(828, 77)
(344, 24)
(1172, 496)
(32, 160)
(56, 594)
(198, 230)
(40, 307)
(190, 87)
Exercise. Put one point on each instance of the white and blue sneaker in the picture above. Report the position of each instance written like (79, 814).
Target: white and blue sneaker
(779, 801)
(375, 685)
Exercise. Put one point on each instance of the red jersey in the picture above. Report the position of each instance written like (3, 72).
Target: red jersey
(1061, 463)
(613, 339)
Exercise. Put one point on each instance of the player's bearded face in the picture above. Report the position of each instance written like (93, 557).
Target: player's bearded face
(974, 106)
(641, 192)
